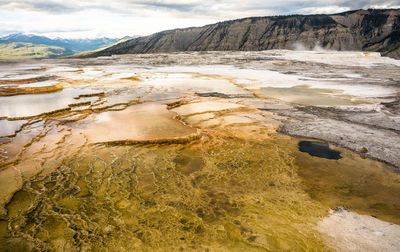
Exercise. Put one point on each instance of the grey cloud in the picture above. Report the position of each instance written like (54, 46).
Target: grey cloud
(292, 7)
(167, 5)
(73, 6)
(55, 7)
(51, 7)
(208, 8)
(364, 4)
(45, 6)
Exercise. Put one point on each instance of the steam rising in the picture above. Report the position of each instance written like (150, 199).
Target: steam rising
(299, 46)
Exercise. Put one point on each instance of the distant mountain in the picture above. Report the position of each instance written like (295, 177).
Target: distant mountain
(20, 50)
(360, 30)
(82, 45)
(69, 46)
(86, 53)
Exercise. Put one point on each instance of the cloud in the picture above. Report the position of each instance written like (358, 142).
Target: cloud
(204, 7)
(168, 5)
(45, 6)
(323, 10)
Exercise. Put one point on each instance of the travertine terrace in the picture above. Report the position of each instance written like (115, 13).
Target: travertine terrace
(199, 151)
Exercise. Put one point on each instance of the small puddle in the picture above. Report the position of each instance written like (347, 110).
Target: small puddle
(319, 149)
(39, 84)
(8, 128)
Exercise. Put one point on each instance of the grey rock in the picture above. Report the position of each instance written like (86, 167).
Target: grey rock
(366, 30)
(382, 144)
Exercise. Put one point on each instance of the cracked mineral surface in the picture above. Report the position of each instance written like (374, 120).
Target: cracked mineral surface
(200, 152)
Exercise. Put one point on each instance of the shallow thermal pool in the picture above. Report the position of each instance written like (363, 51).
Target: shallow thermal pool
(319, 149)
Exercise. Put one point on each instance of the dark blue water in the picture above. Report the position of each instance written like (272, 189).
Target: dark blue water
(319, 149)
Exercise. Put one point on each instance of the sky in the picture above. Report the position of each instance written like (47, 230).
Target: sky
(119, 18)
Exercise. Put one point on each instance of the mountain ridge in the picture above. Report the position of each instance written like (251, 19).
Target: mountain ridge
(22, 50)
(74, 45)
(375, 30)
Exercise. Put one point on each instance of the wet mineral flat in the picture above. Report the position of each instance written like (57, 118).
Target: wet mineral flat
(310, 96)
(147, 123)
(202, 107)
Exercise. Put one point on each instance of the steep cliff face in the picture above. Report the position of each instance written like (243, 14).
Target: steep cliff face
(368, 30)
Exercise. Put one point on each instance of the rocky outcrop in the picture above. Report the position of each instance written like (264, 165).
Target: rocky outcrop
(367, 30)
